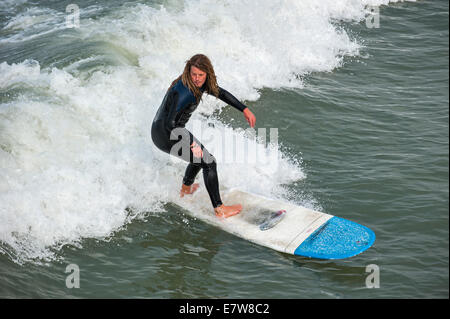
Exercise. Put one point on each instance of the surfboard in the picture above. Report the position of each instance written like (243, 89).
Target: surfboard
(290, 228)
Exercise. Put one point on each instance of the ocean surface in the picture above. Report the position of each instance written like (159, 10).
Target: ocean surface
(358, 94)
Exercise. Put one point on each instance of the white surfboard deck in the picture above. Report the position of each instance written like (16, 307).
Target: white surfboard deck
(300, 231)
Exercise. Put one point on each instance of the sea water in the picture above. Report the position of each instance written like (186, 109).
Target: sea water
(357, 92)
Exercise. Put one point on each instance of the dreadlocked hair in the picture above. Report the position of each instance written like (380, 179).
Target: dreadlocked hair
(203, 63)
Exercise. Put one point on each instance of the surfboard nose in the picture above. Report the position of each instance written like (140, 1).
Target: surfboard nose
(338, 238)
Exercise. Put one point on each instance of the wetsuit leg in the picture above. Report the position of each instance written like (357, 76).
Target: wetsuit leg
(210, 178)
(190, 174)
(207, 163)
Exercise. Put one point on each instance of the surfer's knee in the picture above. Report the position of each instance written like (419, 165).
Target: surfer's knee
(209, 163)
(208, 160)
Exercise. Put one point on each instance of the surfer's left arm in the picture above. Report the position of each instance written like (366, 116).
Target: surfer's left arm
(228, 98)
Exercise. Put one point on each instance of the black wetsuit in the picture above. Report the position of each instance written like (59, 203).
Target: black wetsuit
(168, 131)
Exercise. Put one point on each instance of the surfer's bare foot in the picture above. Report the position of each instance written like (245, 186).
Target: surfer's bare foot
(186, 190)
(227, 211)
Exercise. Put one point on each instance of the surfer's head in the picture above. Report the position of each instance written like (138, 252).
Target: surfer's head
(199, 72)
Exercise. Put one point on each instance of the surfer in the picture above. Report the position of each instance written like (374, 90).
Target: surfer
(170, 135)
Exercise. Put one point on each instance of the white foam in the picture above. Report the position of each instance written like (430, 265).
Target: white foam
(76, 151)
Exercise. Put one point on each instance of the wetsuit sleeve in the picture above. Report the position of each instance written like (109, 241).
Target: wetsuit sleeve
(169, 122)
(171, 107)
(228, 98)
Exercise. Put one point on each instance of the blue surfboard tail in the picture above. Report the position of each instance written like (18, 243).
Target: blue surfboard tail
(337, 238)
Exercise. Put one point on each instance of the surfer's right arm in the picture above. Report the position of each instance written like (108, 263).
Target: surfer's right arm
(171, 107)
(170, 119)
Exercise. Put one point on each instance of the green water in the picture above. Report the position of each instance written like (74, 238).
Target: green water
(372, 137)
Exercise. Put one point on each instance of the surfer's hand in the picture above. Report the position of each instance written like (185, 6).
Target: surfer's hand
(251, 119)
(196, 150)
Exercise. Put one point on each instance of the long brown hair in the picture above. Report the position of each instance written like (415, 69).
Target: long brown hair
(203, 63)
